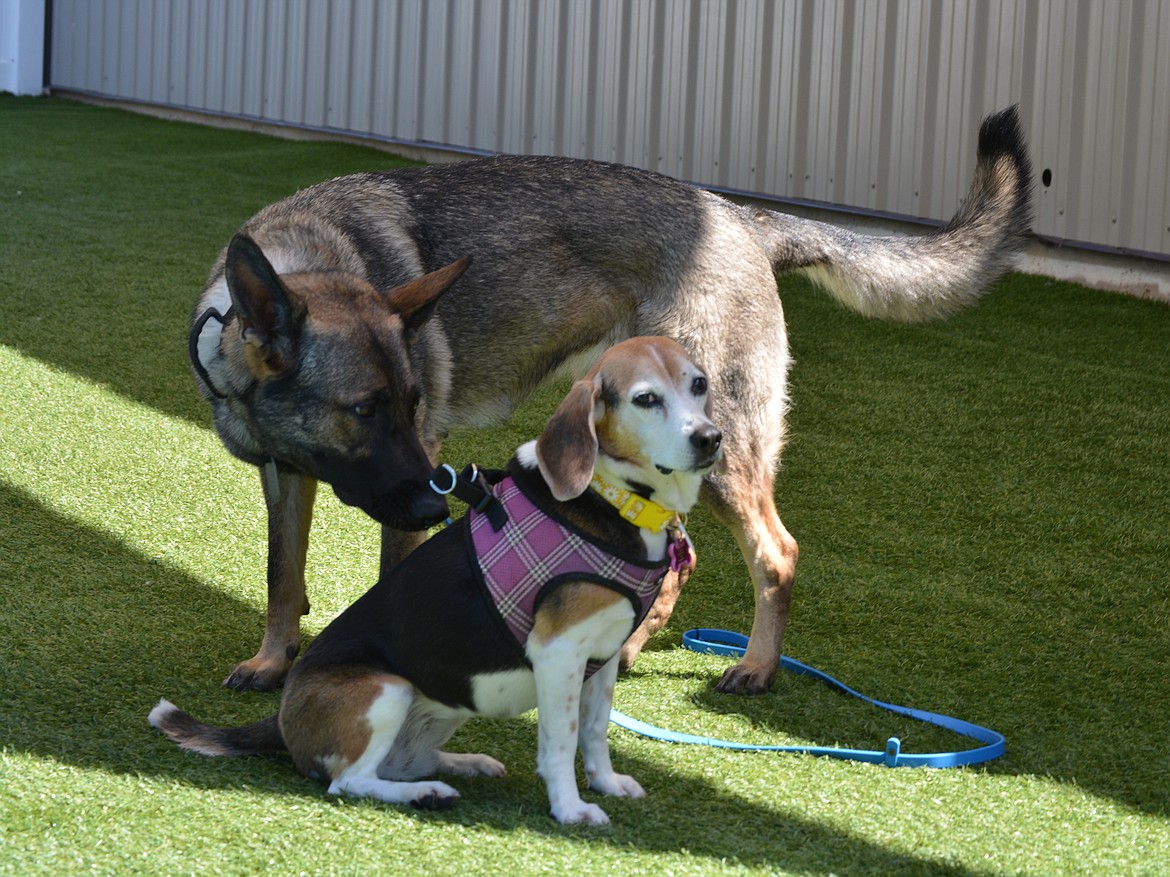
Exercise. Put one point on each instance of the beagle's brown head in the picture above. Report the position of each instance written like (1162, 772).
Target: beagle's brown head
(642, 416)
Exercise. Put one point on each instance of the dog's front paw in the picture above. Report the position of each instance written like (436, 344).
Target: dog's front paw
(435, 799)
(743, 678)
(430, 795)
(257, 674)
(579, 813)
(619, 785)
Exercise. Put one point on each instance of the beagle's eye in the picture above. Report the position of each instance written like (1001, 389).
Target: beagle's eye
(646, 399)
(365, 410)
(699, 386)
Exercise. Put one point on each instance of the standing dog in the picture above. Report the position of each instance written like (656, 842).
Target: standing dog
(504, 610)
(343, 332)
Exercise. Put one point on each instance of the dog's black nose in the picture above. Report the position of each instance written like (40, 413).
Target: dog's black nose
(428, 508)
(707, 439)
(409, 509)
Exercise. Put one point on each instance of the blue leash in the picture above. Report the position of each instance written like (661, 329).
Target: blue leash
(723, 642)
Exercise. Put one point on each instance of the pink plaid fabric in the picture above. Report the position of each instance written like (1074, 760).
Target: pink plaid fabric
(532, 551)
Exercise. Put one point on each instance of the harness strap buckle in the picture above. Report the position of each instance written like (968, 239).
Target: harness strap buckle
(471, 487)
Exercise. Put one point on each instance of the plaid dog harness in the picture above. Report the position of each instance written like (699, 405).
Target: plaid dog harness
(531, 554)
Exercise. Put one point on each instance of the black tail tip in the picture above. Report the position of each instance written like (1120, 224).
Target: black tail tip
(1002, 134)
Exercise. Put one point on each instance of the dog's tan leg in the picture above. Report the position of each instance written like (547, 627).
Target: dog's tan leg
(744, 503)
(396, 544)
(289, 497)
(657, 617)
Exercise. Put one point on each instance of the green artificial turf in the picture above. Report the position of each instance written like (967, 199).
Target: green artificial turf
(981, 506)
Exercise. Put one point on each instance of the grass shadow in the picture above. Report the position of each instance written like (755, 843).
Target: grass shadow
(94, 632)
(684, 812)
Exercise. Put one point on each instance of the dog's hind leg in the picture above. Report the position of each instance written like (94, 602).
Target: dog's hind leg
(463, 764)
(289, 497)
(396, 544)
(742, 499)
(417, 752)
(343, 727)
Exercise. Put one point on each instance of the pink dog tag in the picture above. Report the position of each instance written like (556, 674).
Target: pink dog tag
(679, 551)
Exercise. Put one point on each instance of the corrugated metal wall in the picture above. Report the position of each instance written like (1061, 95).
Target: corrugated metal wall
(867, 105)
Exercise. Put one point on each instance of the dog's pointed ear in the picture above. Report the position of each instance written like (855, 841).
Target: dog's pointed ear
(567, 448)
(415, 300)
(270, 316)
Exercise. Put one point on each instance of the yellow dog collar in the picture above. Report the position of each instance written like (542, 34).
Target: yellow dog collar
(638, 510)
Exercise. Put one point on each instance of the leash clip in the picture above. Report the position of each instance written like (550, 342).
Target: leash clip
(893, 750)
(480, 497)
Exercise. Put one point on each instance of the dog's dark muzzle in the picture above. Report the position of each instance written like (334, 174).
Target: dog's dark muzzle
(427, 509)
(410, 507)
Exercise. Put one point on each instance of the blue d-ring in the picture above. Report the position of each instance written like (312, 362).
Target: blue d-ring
(443, 491)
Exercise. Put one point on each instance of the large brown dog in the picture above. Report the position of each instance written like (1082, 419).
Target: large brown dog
(343, 332)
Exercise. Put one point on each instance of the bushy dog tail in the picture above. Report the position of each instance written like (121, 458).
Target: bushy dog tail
(190, 733)
(929, 276)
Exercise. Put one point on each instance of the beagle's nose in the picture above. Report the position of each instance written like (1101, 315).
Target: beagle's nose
(707, 438)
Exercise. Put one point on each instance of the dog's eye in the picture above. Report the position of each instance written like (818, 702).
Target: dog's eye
(699, 386)
(365, 410)
(646, 400)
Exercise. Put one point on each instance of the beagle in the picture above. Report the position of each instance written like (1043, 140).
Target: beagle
(523, 604)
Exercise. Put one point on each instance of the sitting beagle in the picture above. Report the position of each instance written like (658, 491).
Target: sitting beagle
(525, 602)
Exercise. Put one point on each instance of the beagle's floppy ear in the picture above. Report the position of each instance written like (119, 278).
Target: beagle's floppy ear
(270, 316)
(567, 449)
